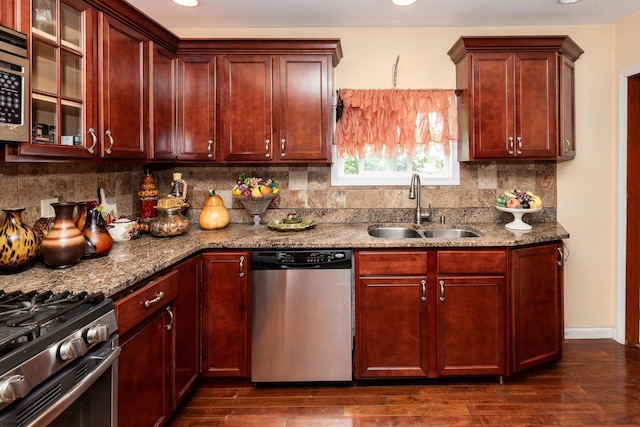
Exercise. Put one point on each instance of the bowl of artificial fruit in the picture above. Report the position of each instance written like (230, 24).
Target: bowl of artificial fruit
(255, 194)
(518, 203)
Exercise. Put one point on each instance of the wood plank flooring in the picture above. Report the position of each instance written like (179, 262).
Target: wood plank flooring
(596, 383)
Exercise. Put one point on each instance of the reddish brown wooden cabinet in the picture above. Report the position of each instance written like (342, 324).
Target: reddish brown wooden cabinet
(197, 108)
(515, 97)
(275, 108)
(537, 325)
(392, 322)
(159, 326)
(162, 95)
(471, 312)
(185, 349)
(225, 315)
(124, 96)
(456, 312)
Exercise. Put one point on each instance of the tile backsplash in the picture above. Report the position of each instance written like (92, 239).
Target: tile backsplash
(305, 189)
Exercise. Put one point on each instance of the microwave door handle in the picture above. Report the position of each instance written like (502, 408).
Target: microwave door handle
(51, 413)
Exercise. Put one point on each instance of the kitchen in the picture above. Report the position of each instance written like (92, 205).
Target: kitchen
(590, 279)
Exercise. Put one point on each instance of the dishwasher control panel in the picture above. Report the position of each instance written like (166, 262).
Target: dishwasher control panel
(322, 258)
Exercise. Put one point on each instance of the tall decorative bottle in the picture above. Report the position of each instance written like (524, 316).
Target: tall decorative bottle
(18, 243)
(64, 244)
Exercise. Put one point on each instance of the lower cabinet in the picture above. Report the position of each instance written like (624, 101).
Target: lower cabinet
(159, 335)
(537, 320)
(471, 312)
(225, 317)
(456, 312)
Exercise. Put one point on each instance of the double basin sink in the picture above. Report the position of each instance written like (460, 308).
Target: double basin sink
(409, 232)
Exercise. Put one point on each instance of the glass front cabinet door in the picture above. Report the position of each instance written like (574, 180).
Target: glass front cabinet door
(62, 56)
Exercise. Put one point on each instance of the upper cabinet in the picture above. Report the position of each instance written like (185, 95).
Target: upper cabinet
(63, 90)
(515, 97)
(272, 99)
(124, 97)
(162, 114)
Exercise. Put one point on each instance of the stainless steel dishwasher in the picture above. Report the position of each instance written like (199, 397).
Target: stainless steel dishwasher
(301, 322)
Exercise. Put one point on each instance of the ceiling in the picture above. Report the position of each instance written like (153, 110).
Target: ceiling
(381, 13)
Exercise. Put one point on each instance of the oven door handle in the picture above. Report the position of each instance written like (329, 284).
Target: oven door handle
(51, 413)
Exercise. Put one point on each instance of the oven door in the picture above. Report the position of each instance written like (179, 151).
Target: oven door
(81, 395)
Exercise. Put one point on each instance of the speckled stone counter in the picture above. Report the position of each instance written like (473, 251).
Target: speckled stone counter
(133, 261)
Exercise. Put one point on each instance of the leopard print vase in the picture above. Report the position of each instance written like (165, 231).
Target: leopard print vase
(18, 243)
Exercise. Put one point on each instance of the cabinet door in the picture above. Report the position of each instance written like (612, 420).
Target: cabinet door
(537, 325)
(391, 327)
(245, 94)
(493, 110)
(304, 111)
(162, 119)
(143, 373)
(186, 330)
(63, 89)
(567, 140)
(197, 109)
(225, 314)
(471, 322)
(536, 134)
(124, 96)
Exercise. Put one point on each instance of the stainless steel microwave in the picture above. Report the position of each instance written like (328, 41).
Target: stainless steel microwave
(14, 86)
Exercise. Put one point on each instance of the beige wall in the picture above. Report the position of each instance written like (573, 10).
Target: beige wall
(586, 186)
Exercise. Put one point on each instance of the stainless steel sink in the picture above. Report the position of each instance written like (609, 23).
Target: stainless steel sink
(449, 233)
(399, 232)
(394, 233)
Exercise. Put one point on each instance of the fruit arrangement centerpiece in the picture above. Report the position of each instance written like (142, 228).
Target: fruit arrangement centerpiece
(518, 203)
(255, 194)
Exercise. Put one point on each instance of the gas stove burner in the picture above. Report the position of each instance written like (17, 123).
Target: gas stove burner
(26, 316)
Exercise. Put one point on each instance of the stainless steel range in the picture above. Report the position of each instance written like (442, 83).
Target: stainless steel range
(58, 359)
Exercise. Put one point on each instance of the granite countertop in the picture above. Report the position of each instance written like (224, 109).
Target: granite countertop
(132, 261)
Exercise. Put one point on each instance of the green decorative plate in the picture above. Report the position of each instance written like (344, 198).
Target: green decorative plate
(282, 225)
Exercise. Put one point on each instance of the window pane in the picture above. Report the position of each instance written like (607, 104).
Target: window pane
(44, 18)
(71, 123)
(71, 28)
(44, 120)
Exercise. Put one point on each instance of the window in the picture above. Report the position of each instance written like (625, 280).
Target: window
(384, 136)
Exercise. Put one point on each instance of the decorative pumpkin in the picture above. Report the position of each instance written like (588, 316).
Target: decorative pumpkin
(213, 215)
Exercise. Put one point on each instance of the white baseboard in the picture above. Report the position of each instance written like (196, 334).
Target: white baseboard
(588, 333)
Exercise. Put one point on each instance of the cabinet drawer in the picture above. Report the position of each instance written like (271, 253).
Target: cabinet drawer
(481, 262)
(394, 262)
(134, 308)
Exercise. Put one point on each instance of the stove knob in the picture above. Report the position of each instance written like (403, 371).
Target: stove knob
(97, 333)
(12, 388)
(72, 348)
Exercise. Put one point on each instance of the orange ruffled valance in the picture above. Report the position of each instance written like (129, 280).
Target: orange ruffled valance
(379, 118)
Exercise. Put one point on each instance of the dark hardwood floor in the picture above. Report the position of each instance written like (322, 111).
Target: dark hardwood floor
(596, 383)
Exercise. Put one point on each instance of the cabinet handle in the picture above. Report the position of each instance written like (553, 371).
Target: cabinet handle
(92, 132)
(283, 148)
(209, 151)
(519, 139)
(267, 144)
(510, 145)
(170, 318)
(441, 290)
(241, 267)
(108, 150)
(566, 252)
(567, 145)
(560, 256)
(423, 283)
(157, 298)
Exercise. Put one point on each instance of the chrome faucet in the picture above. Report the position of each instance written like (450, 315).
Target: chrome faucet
(414, 193)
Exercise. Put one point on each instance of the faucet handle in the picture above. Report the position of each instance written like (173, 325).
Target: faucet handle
(426, 217)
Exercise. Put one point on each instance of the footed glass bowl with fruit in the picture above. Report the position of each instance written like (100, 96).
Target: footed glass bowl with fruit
(255, 194)
(518, 203)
